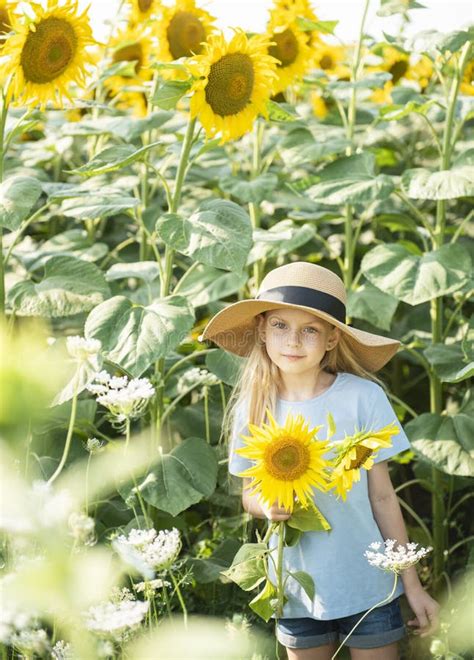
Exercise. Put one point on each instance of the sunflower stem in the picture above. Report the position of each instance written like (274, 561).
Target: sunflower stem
(3, 121)
(254, 208)
(280, 587)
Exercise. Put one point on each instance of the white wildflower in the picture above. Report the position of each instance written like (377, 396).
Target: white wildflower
(105, 649)
(34, 641)
(62, 651)
(151, 585)
(124, 399)
(82, 349)
(82, 528)
(396, 559)
(94, 445)
(116, 621)
(193, 377)
(13, 620)
(155, 551)
(44, 508)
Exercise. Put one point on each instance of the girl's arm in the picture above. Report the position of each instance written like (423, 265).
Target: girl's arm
(253, 506)
(389, 518)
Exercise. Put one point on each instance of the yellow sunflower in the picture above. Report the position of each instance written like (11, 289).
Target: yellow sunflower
(395, 62)
(232, 84)
(182, 30)
(48, 53)
(288, 461)
(128, 45)
(331, 60)
(421, 71)
(358, 451)
(303, 9)
(319, 105)
(4, 20)
(467, 82)
(289, 48)
(142, 10)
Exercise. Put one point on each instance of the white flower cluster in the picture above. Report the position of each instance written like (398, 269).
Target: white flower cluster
(193, 377)
(151, 586)
(116, 620)
(82, 349)
(31, 641)
(123, 398)
(62, 651)
(82, 528)
(149, 549)
(13, 620)
(394, 559)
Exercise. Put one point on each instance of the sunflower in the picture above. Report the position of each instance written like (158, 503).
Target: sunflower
(302, 9)
(233, 83)
(288, 461)
(289, 48)
(48, 53)
(331, 60)
(319, 105)
(421, 71)
(358, 451)
(467, 82)
(4, 20)
(142, 10)
(183, 30)
(128, 45)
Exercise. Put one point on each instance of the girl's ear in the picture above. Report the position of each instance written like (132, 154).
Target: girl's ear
(333, 338)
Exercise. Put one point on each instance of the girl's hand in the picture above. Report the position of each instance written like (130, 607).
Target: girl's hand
(426, 611)
(275, 512)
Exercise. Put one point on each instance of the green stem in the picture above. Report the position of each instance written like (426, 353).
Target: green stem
(206, 414)
(67, 444)
(415, 516)
(279, 568)
(382, 602)
(180, 598)
(254, 208)
(3, 121)
(87, 483)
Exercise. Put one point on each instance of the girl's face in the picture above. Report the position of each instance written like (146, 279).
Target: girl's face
(296, 341)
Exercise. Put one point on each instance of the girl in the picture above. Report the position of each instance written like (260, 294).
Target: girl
(303, 358)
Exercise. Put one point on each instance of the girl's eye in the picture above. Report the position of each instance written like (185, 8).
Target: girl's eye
(311, 329)
(278, 324)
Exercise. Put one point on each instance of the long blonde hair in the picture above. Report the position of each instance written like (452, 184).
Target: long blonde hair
(259, 381)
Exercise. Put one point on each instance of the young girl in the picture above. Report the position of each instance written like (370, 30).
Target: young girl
(303, 358)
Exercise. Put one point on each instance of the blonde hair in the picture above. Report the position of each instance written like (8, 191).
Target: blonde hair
(259, 381)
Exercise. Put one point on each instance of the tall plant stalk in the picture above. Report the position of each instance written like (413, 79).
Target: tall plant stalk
(3, 121)
(254, 208)
(436, 312)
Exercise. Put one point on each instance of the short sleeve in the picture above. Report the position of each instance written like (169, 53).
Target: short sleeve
(238, 463)
(379, 414)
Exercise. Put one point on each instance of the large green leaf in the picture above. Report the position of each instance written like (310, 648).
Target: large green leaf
(143, 270)
(18, 195)
(126, 128)
(306, 581)
(182, 477)
(301, 146)
(135, 336)
(351, 180)
(218, 234)
(254, 191)
(225, 365)
(263, 603)
(372, 305)
(446, 442)
(457, 182)
(282, 238)
(277, 112)
(308, 520)
(114, 158)
(209, 569)
(413, 279)
(69, 286)
(206, 284)
(167, 95)
(72, 243)
(450, 362)
(97, 206)
(248, 567)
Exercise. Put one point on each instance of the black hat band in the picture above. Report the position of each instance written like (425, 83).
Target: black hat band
(302, 295)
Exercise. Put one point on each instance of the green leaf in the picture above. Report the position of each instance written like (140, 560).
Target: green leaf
(206, 284)
(262, 604)
(225, 365)
(351, 180)
(254, 191)
(168, 94)
(413, 279)
(18, 195)
(306, 581)
(135, 336)
(307, 25)
(390, 7)
(125, 128)
(143, 270)
(210, 569)
(375, 81)
(113, 158)
(445, 442)
(182, 477)
(281, 239)
(450, 363)
(69, 286)
(372, 305)
(276, 112)
(308, 520)
(395, 112)
(70, 243)
(433, 42)
(420, 183)
(300, 146)
(83, 374)
(218, 234)
(97, 206)
(248, 567)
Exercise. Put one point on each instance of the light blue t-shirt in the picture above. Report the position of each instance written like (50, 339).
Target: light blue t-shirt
(344, 580)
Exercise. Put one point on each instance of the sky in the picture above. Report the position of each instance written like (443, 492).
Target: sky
(443, 15)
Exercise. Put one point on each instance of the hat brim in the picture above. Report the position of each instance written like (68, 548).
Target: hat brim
(234, 330)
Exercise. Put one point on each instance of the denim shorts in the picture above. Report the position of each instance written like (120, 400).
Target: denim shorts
(384, 625)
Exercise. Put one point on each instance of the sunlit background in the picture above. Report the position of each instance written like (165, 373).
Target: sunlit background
(252, 15)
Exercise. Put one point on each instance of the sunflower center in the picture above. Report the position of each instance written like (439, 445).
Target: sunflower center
(185, 34)
(144, 5)
(362, 454)
(4, 21)
(49, 50)
(398, 70)
(286, 458)
(326, 62)
(230, 84)
(130, 53)
(286, 48)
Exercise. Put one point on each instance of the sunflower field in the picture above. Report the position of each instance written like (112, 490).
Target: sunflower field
(146, 181)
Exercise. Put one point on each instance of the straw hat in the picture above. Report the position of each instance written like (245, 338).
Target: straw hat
(298, 285)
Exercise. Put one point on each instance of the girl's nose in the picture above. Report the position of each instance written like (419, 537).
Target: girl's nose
(293, 337)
